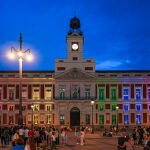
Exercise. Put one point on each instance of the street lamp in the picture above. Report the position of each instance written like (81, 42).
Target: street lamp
(117, 108)
(32, 107)
(20, 54)
(92, 103)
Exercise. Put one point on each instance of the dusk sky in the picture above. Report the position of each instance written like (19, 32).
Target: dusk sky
(116, 32)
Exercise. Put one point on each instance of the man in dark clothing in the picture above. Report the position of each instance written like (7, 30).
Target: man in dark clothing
(121, 141)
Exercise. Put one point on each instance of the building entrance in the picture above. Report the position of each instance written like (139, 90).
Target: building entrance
(75, 117)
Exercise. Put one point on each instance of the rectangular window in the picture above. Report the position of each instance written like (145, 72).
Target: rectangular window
(48, 119)
(75, 58)
(62, 93)
(126, 94)
(11, 108)
(114, 120)
(76, 93)
(148, 93)
(101, 94)
(101, 119)
(113, 106)
(48, 94)
(88, 68)
(35, 119)
(126, 107)
(138, 107)
(87, 93)
(11, 93)
(48, 107)
(87, 119)
(126, 119)
(62, 120)
(24, 94)
(101, 106)
(138, 119)
(0, 94)
(36, 108)
(113, 94)
(36, 94)
(60, 68)
(138, 93)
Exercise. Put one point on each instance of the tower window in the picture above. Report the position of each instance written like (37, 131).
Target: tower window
(60, 68)
(88, 68)
(74, 58)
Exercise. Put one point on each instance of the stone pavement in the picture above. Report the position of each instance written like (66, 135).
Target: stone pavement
(93, 142)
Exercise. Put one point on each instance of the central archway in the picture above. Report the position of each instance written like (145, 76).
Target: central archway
(75, 117)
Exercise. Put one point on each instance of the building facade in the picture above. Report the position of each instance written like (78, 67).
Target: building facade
(63, 96)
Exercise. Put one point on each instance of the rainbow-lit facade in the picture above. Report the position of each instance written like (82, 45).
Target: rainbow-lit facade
(63, 96)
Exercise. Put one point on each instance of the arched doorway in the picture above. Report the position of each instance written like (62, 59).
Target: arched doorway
(75, 117)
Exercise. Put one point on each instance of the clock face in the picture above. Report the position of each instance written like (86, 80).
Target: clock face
(75, 46)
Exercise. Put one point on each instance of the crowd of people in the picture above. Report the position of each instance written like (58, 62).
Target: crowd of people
(139, 136)
(39, 138)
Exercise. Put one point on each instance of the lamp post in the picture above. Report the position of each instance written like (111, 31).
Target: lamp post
(117, 108)
(20, 56)
(32, 107)
(92, 103)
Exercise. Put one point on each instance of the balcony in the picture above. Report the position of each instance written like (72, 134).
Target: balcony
(74, 98)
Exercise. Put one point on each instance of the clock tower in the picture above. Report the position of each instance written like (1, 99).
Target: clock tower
(75, 41)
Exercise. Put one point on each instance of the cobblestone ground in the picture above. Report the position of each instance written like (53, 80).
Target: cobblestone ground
(93, 142)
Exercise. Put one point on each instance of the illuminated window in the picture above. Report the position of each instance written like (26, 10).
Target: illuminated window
(114, 120)
(35, 119)
(87, 93)
(126, 94)
(36, 94)
(138, 93)
(113, 94)
(36, 108)
(101, 119)
(113, 106)
(48, 94)
(138, 119)
(126, 107)
(101, 106)
(148, 93)
(101, 94)
(62, 120)
(48, 107)
(48, 119)
(138, 107)
(126, 119)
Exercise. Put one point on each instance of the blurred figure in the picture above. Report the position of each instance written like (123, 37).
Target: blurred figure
(19, 144)
(30, 144)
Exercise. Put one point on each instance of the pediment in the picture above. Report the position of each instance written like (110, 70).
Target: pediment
(75, 74)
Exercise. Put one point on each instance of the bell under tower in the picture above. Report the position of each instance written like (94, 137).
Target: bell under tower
(75, 41)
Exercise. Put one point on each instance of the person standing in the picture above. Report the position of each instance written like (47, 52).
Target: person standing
(121, 141)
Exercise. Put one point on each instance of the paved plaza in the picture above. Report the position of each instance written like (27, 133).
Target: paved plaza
(93, 142)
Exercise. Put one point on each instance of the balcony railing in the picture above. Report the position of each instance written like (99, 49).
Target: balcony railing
(74, 98)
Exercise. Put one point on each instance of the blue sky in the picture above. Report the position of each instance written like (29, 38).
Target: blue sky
(116, 32)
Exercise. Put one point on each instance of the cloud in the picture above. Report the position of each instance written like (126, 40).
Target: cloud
(108, 64)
